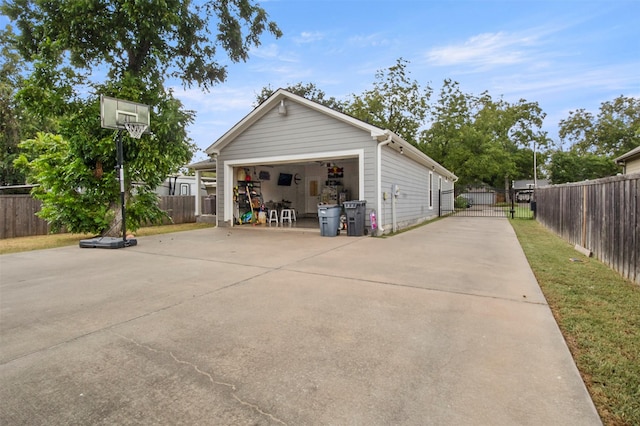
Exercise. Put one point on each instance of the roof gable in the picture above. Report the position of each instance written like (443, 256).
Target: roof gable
(272, 102)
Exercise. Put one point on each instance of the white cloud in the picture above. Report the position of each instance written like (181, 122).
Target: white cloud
(484, 50)
(370, 40)
(308, 37)
(271, 51)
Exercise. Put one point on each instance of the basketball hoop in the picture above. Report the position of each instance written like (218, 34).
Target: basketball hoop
(135, 129)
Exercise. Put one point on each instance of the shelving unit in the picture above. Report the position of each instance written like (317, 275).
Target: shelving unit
(333, 194)
(245, 190)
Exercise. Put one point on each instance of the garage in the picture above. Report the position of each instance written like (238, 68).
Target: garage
(292, 153)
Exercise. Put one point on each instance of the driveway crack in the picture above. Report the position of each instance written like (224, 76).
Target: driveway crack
(230, 386)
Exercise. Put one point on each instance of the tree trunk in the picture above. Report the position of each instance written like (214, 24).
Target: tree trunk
(115, 227)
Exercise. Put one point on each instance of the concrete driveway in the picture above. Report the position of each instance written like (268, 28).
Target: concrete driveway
(442, 325)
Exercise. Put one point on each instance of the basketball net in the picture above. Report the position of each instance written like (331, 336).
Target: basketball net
(135, 129)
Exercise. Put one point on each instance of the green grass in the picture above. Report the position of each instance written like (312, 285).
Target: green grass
(599, 314)
(39, 242)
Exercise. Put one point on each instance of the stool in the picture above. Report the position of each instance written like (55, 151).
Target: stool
(287, 214)
(273, 216)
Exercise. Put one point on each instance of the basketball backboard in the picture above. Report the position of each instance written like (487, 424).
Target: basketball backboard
(114, 113)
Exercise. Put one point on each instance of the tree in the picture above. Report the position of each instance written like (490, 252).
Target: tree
(614, 131)
(147, 41)
(481, 139)
(571, 166)
(395, 102)
(308, 91)
(10, 112)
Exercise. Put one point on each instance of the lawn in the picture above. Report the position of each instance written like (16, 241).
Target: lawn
(38, 242)
(598, 312)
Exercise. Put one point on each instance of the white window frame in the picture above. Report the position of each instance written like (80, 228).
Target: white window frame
(430, 190)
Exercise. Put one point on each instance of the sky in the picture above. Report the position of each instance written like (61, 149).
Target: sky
(563, 54)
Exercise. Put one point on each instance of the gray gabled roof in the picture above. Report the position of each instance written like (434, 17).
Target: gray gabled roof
(273, 102)
(625, 157)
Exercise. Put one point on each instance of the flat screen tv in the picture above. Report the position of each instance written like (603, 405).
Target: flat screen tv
(284, 179)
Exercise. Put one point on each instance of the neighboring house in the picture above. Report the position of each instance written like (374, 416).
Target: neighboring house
(295, 152)
(186, 185)
(480, 195)
(630, 161)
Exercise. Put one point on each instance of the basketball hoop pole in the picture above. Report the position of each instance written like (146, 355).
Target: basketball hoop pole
(120, 153)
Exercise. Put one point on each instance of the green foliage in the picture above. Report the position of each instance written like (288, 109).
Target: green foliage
(481, 139)
(572, 166)
(10, 112)
(73, 197)
(76, 169)
(151, 39)
(396, 102)
(461, 202)
(614, 131)
(307, 91)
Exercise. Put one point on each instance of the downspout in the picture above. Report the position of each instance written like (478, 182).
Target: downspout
(379, 173)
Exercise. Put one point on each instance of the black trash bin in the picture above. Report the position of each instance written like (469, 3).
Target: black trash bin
(329, 218)
(355, 217)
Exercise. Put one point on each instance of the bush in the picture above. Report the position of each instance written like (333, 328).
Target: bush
(461, 202)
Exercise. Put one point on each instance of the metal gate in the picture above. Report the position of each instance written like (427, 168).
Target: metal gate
(489, 202)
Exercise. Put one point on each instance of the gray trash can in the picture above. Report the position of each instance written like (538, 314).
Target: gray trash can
(329, 218)
(355, 217)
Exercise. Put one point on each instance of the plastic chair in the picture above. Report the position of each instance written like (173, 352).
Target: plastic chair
(273, 216)
(288, 215)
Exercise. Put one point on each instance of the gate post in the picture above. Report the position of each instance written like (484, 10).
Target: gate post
(513, 210)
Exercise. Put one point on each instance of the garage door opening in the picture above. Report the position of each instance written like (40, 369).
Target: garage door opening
(299, 186)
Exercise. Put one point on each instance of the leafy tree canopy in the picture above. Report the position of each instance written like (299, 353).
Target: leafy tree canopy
(571, 166)
(151, 39)
(614, 131)
(396, 102)
(483, 140)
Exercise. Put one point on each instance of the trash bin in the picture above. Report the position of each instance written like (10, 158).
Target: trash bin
(355, 217)
(329, 218)
(209, 205)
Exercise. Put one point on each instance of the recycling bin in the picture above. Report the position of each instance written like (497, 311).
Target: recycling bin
(355, 211)
(329, 218)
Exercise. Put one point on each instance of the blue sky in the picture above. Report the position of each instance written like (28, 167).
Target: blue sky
(563, 54)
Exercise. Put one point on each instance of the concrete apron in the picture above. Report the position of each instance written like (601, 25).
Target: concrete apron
(444, 324)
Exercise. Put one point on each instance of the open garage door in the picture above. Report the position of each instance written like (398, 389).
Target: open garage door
(298, 183)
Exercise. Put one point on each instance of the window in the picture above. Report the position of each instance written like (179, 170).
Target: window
(430, 190)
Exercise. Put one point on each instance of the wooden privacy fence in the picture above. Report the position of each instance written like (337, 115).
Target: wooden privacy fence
(18, 214)
(602, 216)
